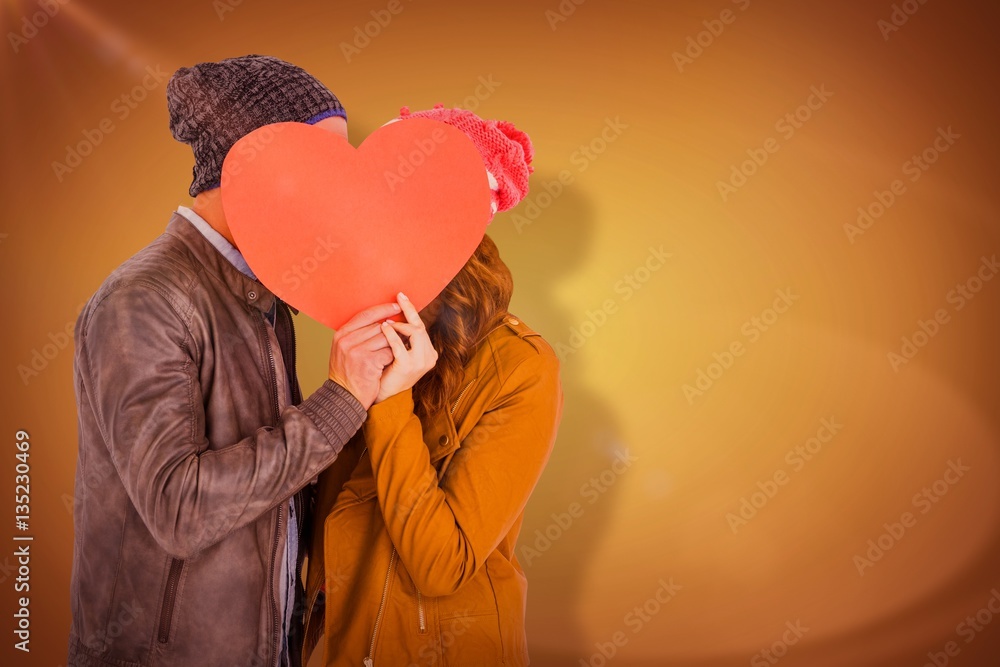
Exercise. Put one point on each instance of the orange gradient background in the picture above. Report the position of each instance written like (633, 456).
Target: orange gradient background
(651, 183)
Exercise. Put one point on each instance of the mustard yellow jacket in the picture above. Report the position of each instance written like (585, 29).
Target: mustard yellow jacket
(416, 524)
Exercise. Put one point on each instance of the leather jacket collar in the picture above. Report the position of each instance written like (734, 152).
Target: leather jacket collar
(253, 292)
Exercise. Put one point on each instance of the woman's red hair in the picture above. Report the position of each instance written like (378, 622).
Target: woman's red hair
(473, 304)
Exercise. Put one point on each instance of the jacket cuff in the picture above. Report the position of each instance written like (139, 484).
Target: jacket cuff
(394, 407)
(386, 422)
(335, 412)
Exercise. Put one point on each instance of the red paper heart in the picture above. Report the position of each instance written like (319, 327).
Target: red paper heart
(333, 230)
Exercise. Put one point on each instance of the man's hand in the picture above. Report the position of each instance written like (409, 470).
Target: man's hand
(409, 364)
(360, 351)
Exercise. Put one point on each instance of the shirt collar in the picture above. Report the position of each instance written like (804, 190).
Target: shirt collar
(225, 248)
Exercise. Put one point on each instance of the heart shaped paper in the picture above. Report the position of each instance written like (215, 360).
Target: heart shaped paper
(333, 230)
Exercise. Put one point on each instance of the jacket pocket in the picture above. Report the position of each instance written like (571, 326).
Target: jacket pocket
(471, 640)
(169, 597)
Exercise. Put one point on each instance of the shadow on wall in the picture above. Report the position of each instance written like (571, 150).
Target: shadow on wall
(557, 546)
(544, 240)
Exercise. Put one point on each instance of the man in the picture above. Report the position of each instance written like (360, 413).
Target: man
(195, 445)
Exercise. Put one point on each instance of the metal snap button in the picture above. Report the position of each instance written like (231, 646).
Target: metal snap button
(443, 440)
(513, 321)
(252, 295)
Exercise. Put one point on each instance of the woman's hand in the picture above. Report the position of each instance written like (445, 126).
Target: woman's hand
(408, 365)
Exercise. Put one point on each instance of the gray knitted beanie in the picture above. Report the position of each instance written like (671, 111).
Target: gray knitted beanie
(212, 105)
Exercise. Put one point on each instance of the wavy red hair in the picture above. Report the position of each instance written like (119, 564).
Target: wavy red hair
(473, 304)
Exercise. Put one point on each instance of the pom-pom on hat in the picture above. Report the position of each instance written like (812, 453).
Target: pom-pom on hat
(506, 151)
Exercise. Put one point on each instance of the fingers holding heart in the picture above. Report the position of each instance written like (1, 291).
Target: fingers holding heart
(409, 364)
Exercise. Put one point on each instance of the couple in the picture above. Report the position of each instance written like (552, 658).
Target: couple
(223, 520)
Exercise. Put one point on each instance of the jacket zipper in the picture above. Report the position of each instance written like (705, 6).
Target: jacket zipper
(293, 383)
(421, 616)
(420, 612)
(270, 579)
(459, 399)
(296, 394)
(274, 367)
(381, 608)
(277, 533)
(169, 595)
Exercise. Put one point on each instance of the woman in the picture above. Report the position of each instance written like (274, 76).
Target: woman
(417, 521)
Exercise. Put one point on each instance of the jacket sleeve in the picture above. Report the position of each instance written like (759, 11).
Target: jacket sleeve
(141, 378)
(444, 533)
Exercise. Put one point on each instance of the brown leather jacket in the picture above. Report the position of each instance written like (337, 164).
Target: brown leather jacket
(188, 453)
(416, 524)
